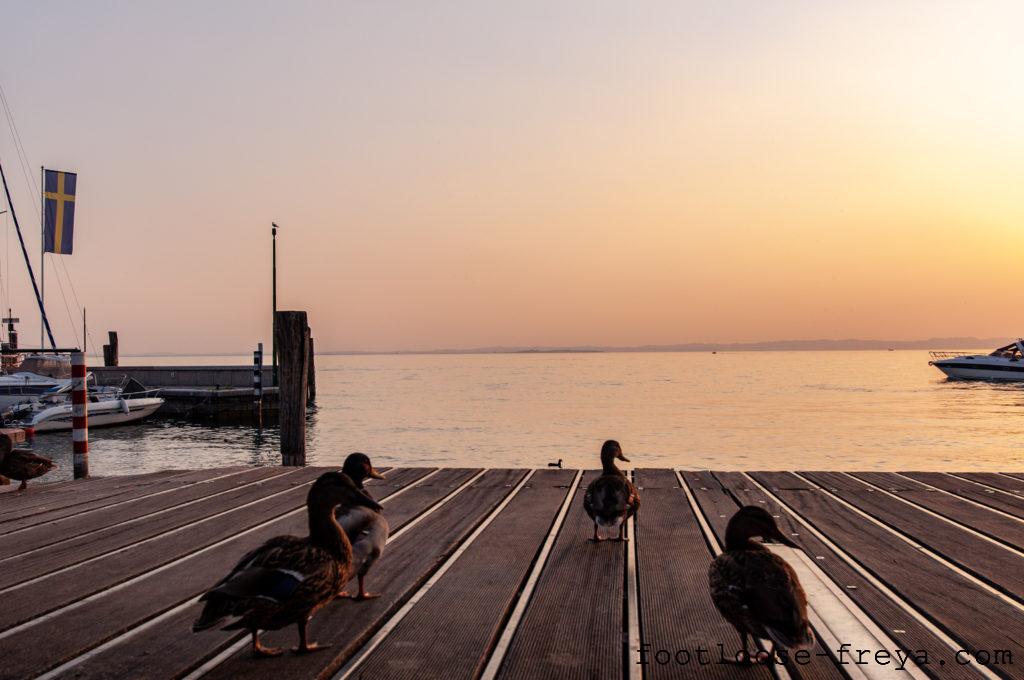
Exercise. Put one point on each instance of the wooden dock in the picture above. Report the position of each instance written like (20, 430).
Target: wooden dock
(488, 574)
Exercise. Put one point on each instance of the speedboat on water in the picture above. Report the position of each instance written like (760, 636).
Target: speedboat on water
(1004, 364)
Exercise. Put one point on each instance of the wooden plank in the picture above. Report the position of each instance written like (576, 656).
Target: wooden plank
(172, 650)
(34, 532)
(994, 524)
(35, 598)
(717, 504)
(128, 492)
(971, 490)
(995, 565)
(113, 612)
(718, 507)
(996, 480)
(483, 583)
(89, 545)
(406, 564)
(976, 618)
(676, 611)
(74, 491)
(573, 626)
(908, 632)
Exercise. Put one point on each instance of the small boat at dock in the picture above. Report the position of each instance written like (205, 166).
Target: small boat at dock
(1005, 364)
(53, 411)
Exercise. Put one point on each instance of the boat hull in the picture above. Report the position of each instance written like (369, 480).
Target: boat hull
(120, 412)
(968, 370)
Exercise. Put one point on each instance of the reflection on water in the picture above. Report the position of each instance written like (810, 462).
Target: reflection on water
(742, 410)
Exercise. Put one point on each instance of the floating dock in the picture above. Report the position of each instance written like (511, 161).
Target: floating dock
(489, 573)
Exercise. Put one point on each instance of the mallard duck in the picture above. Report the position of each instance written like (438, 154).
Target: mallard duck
(287, 579)
(366, 529)
(754, 589)
(22, 464)
(611, 499)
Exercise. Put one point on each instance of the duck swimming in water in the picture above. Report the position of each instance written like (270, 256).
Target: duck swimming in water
(366, 529)
(754, 589)
(287, 579)
(611, 499)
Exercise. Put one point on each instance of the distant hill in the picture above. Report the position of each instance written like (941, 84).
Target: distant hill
(765, 346)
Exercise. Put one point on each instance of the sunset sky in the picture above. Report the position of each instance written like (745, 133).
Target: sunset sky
(463, 174)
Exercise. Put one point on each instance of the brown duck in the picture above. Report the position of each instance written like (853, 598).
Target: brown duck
(21, 464)
(611, 499)
(754, 589)
(287, 579)
(366, 529)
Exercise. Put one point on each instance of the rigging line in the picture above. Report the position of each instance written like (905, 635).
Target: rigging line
(33, 186)
(19, 147)
(71, 318)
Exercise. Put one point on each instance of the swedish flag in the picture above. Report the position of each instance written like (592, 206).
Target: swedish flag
(58, 211)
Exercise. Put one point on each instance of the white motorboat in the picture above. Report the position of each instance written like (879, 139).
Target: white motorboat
(1004, 364)
(52, 411)
(18, 387)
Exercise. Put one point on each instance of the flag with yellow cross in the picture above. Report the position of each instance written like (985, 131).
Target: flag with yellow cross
(58, 211)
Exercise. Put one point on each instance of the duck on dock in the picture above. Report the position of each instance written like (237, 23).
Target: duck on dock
(756, 590)
(366, 529)
(288, 578)
(21, 464)
(611, 499)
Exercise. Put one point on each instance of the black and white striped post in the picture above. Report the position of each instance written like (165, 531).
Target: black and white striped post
(257, 384)
(79, 415)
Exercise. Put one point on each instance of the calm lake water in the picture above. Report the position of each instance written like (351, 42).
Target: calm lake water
(734, 410)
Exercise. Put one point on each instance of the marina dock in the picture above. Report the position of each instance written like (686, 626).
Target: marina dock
(488, 573)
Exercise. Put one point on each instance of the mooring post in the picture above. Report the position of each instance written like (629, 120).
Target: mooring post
(110, 351)
(257, 385)
(79, 416)
(291, 336)
(311, 376)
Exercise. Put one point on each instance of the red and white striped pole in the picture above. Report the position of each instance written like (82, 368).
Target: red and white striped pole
(80, 415)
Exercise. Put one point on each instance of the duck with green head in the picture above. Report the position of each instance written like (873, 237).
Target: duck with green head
(756, 590)
(611, 499)
(288, 578)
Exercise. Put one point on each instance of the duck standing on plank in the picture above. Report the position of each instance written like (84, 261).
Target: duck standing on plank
(611, 499)
(21, 464)
(756, 590)
(287, 579)
(366, 529)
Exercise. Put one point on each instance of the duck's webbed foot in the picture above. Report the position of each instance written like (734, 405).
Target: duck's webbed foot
(362, 594)
(23, 485)
(261, 652)
(306, 647)
(596, 538)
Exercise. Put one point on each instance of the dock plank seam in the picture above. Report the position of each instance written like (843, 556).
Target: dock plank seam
(894, 597)
(949, 520)
(392, 622)
(146, 624)
(982, 583)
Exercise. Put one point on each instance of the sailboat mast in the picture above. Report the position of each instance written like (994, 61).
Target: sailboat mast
(42, 246)
(28, 262)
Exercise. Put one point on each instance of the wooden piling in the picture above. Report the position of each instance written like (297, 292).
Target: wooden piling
(291, 337)
(311, 375)
(110, 357)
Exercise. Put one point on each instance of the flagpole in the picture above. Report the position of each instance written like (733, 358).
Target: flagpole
(28, 262)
